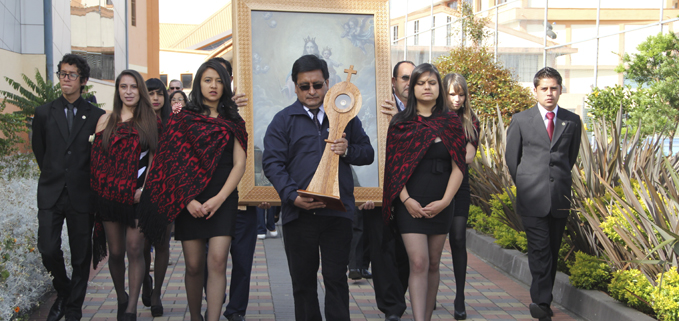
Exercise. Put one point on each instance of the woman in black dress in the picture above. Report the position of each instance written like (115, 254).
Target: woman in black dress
(423, 171)
(122, 149)
(211, 215)
(458, 102)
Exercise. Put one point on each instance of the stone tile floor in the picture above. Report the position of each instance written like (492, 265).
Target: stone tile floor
(490, 295)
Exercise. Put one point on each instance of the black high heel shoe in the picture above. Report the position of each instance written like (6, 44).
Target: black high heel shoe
(460, 312)
(122, 306)
(130, 317)
(146, 290)
(157, 310)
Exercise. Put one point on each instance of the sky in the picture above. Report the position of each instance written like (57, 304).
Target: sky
(177, 11)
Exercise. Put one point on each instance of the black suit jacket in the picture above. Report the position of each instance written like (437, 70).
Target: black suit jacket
(541, 169)
(64, 159)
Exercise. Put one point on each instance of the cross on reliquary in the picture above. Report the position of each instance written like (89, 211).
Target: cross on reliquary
(349, 72)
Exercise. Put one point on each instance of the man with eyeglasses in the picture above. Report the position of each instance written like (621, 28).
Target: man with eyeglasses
(175, 85)
(293, 146)
(61, 133)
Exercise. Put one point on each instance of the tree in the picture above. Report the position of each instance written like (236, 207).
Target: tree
(38, 93)
(11, 127)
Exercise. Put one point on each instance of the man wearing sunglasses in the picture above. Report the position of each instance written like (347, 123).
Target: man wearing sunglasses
(293, 146)
(61, 132)
(175, 85)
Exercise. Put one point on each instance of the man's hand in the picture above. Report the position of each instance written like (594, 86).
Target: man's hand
(339, 146)
(389, 108)
(308, 203)
(264, 205)
(239, 99)
(369, 205)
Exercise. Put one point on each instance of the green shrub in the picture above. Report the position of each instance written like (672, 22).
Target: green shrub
(476, 214)
(589, 272)
(632, 288)
(566, 258)
(665, 296)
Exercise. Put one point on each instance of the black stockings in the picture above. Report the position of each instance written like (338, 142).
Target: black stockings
(458, 249)
(122, 239)
(162, 258)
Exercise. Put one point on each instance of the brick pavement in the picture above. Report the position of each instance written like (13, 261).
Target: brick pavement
(490, 295)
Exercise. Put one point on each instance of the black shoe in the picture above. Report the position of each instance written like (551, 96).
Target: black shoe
(366, 274)
(235, 317)
(355, 274)
(130, 317)
(122, 306)
(146, 290)
(157, 310)
(539, 312)
(393, 318)
(58, 309)
(460, 312)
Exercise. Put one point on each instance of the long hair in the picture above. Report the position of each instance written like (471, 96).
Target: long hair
(227, 107)
(155, 84)
(410, 111)
(466, 114)
(144, 119)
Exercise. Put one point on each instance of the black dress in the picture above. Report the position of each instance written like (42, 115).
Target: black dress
(223, 222)
(427, 184)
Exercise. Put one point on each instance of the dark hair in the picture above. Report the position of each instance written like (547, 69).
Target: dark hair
(547, 72)
(179, 92)
(398, 64)
(225, 63)
(309, 63)
(144, 119)
(153, 84)
(410, 111)
(227, 107)
(80, 63)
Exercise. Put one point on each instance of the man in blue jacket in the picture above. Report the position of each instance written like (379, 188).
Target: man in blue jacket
(293, 146)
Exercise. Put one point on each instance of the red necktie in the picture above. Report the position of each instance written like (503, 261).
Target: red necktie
(550, 125)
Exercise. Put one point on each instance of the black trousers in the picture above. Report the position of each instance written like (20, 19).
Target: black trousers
(242, 252)
(390, 266)
(79, 226)
(303, 238)
(544, 235)
(359, 257)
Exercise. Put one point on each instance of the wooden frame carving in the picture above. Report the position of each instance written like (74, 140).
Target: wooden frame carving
(246, 69)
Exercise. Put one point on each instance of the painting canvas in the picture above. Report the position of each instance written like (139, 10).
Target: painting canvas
(269, 35)
(344, 40)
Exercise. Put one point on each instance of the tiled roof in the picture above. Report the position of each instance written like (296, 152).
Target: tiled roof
(216, 24)
(172, 32)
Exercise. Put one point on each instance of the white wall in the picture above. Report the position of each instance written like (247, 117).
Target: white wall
(605, 4)
(120, 50)
(173, 64)
(61, 30)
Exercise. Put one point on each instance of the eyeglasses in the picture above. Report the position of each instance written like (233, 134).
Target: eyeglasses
(177, 99)
(175, 88)
(405, 77)
(306, 87)
(64, 75)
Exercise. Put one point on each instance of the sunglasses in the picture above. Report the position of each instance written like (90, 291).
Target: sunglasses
(175, 88)
(306, 87)
(405, 77)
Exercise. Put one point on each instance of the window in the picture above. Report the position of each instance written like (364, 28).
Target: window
(449, 31)
(133, 12)
(416, 29)
(102, 65)
(395, 34)
(187, 80)
(433, 31)
(163, 78)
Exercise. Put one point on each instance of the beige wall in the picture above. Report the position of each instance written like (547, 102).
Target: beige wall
(104, 91)
(14, 64)
(138, 38)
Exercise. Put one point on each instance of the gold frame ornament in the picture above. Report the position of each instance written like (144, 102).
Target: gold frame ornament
(250, 194)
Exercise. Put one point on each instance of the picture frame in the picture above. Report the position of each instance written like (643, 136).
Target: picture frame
(269, 35)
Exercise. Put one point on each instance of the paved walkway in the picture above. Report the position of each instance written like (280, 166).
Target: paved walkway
(490, 295)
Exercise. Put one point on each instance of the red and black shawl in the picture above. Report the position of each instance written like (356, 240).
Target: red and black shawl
(188, 153)
(113, 178)
(408, 141)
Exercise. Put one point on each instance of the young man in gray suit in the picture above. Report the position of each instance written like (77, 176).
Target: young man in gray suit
(542, 147)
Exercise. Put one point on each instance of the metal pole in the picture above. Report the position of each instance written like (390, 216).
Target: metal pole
(497, 17)
(49, 39)
(662, 9)
(596, 59)
(544, 37)
(405, 35)
(431, 33)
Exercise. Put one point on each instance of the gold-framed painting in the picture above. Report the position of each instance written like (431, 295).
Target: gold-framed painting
(269, 35)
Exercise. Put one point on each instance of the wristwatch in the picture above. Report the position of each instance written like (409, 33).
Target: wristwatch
(346, 152)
